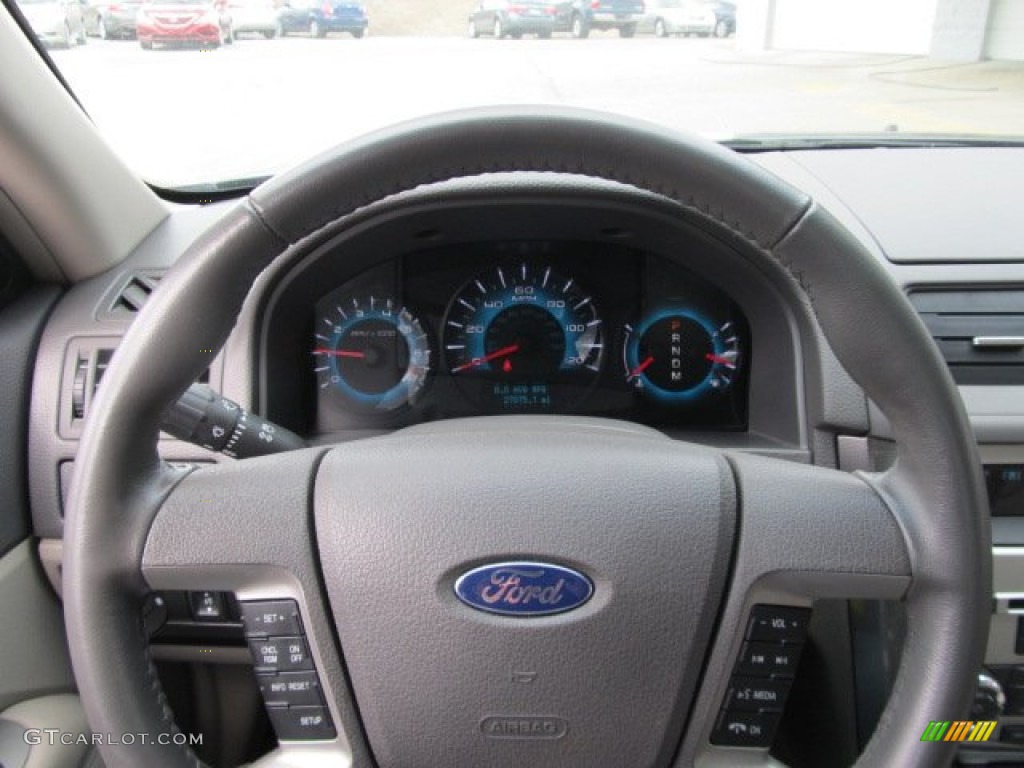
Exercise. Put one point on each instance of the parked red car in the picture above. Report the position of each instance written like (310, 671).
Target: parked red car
(184, 22)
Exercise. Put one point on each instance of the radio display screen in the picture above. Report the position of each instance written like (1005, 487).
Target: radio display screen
(1005, 484)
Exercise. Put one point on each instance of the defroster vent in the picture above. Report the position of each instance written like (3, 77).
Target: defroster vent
(133, 293)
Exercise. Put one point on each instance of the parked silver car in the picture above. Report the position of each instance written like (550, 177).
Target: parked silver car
(56, 22)
(255, 17)
(677, 17)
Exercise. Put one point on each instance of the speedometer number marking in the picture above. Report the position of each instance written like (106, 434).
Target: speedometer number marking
(514, 341)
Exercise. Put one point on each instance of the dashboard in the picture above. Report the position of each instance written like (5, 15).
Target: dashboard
(528, 327)
(587, 301)
(480, 301)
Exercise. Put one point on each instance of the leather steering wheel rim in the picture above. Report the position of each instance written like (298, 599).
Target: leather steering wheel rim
(119, 481)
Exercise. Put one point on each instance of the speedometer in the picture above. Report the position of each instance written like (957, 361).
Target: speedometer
(523, 338)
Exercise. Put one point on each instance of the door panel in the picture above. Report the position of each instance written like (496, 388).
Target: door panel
(35, 659)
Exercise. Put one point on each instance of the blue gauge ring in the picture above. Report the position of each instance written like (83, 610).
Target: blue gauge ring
(633, 355)
(418, 351)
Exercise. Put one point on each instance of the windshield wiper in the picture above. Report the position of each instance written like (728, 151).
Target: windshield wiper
(762, 142)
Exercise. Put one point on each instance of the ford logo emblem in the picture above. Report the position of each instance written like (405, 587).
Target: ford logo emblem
(523, 588)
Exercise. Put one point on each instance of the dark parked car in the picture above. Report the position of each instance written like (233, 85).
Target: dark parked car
(318, 17)
(578, 17)
(512, 18)
(114, 19)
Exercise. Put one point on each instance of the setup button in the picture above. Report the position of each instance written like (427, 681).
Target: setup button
(301, 723)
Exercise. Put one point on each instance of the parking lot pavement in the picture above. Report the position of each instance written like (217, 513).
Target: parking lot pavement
(263, 105)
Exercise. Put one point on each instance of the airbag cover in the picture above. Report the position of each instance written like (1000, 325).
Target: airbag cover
(649, 521)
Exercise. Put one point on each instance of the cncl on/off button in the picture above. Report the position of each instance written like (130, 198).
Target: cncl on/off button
(280, 654)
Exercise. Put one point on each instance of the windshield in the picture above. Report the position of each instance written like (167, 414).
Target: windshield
(176, 2)
(246, 92)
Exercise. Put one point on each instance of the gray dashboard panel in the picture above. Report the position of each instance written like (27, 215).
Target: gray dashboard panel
(972, 237)
(76, 315)
(930, 205)
(833, 401)
(80, 315)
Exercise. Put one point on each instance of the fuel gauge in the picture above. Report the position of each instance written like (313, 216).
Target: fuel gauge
(680, 355)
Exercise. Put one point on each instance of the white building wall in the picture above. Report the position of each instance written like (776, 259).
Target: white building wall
(1005, 38)
(865, 26)
(959, 31)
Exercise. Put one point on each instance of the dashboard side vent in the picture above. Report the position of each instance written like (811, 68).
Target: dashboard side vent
(134, 293)
(980, 333)
(89, 369)
(88, 364)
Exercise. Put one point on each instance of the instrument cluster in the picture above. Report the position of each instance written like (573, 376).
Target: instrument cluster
(529, 327)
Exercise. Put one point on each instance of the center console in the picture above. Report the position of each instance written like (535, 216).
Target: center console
(1000, 693)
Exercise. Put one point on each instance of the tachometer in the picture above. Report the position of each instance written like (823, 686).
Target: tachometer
(679, 355)
(377, 357)
(524, 338)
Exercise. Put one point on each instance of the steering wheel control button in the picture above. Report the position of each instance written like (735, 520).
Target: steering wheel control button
(768, 660)
(294, 689)
(778, 624)
(154, 613)
(302, 723)
(271, 618)
(751, 694)
(207, 606)
(745, 729)
(761, 677)
(280, 654)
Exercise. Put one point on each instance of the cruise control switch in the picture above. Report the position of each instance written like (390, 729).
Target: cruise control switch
(207, 419)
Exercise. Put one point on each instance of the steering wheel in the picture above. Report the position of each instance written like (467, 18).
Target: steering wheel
(679, 541)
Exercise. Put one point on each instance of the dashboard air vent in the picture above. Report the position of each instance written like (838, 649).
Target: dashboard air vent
(980, 333)
(89, 366)
(89, 369)
(135, 293)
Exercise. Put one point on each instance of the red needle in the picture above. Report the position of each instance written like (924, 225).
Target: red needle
(503, 352)
(642, 367)
(718, 359)
(339, 353)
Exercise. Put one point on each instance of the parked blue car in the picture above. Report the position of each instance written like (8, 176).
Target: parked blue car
(318, 17)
